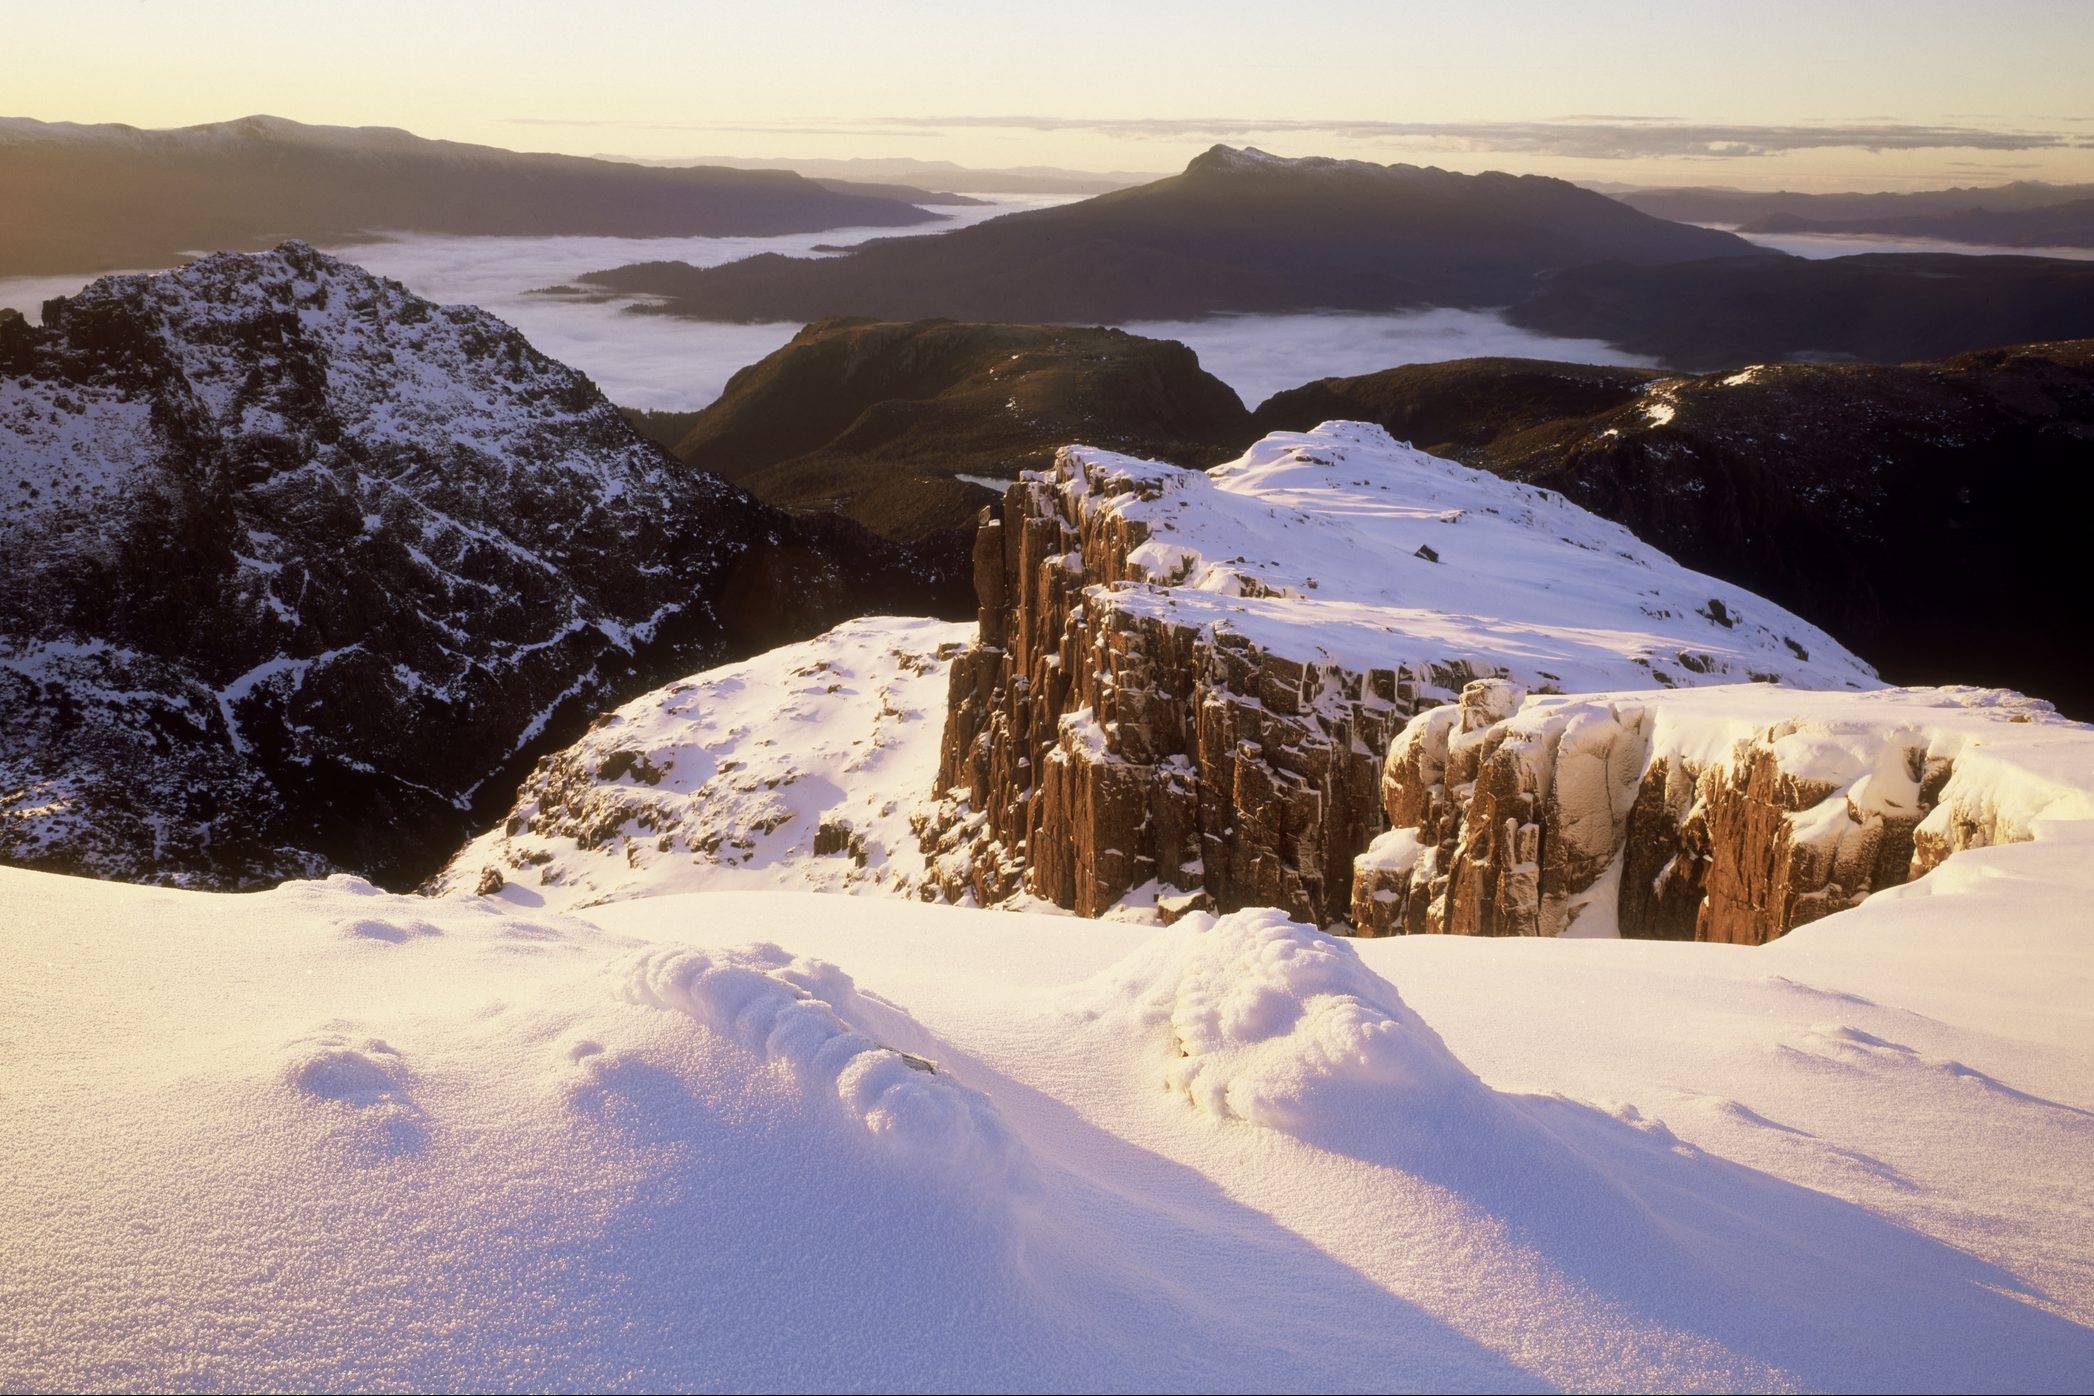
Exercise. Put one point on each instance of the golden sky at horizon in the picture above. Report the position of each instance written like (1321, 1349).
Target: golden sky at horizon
(1775, 92)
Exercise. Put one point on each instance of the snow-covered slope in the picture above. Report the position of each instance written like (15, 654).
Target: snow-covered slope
(1342, 543)
(800, 769)
(296, 561)
(322, 1137)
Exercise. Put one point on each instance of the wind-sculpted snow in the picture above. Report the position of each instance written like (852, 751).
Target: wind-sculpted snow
(297, 561)
(801, 1014)
(323, 1137)
(1274, 1023)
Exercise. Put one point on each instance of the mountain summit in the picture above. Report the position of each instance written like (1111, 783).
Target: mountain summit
(1236, 231)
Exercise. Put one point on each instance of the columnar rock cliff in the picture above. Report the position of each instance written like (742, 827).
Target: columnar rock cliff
(1185, 682)
(1725, 815)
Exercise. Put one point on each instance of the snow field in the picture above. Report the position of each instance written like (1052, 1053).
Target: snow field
(726, 779)
(324, 1137)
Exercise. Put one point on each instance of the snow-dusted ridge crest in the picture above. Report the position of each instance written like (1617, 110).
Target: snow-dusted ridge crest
(1384, 553)
(297, 559)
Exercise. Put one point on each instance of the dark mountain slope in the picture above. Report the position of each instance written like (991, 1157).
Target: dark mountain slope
(1459, 408)
(1883, 308)
(300, 569)
(1237, 231)
(2053, 225)
(1735, 206)
(1932, 516)
(882, 421)
(96, 198)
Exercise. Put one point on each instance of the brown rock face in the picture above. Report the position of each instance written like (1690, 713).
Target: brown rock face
(1090, 749)
(1509, 823)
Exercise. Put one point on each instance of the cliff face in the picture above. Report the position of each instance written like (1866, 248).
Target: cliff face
(1733, 817)
(1185, 683)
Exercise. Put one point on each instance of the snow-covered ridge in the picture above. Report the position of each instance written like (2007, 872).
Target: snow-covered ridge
(801, 769)
(1186, 681)
(1344, 545)
(361, 547)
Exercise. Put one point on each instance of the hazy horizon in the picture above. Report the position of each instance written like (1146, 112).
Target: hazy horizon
(1805, 96)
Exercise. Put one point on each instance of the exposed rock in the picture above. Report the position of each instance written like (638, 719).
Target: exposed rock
(1189, 679)
(302, 569)
(1673, 816)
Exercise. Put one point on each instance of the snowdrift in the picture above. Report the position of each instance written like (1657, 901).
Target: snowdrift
(323, 1137)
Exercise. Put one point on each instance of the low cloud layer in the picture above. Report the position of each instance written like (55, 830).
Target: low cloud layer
(1609, 138)
(1579, 137)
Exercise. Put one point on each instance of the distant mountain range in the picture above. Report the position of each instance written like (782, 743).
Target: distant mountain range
(1244, 232)
(1703, 204)
(1879, 307)
(98, 198)
(933, 174)
(2052, 225)
(1238, 231)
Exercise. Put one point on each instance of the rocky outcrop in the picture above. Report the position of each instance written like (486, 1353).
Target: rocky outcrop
(301, 569)
(1676, 817)
(1184, 683)
(1098, 750)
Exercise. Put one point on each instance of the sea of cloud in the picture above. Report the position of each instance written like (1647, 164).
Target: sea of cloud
(669, 364)
(1818, 246)
(1258, 355)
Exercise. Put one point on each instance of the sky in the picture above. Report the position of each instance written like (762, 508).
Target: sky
(1824, 94)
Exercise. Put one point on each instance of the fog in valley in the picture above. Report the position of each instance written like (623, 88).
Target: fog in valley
(670, 364)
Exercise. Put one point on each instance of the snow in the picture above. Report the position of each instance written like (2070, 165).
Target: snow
(322, 1137)
(1343, 545)
(726, 778)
